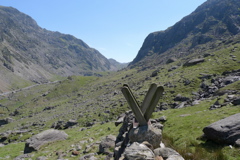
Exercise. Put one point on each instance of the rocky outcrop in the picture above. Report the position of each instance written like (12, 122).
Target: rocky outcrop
(51, 135)
(225, 131)
(142, 142)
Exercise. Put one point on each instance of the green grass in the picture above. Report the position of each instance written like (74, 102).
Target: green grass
(12, 150)
(184, 127)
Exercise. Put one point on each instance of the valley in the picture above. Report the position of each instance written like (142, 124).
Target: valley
(68, 86)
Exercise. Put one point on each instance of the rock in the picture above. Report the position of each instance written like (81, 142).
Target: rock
(225, 131)
(3, 122)
(41, 158)
(181, 105)
(171, 60)
(138, 151)
(64, 125)
(23, 156)
(146, 133)
(237, 143)
(168, 153)
(70, 123)
(180, 98)
(236, 101)
(75, 153)
(106, 144)
(162, 119)
(88, 156)
(154, 73)
(187, 82)
(119, 120)
(194, 62)
(6, 121)
(172, 68)
(36, 141)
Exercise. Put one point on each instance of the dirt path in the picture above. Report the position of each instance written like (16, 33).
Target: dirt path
(15, 91)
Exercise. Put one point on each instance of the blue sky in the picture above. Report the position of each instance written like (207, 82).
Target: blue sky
(116, 28)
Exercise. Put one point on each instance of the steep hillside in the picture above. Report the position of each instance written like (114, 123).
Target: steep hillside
(32, 53)
(212, 23)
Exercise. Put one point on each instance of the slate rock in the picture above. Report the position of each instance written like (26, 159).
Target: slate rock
(106, 144)
(138, 151)
(226, 131)
(146, 133)
(36, 141)
(194, 62)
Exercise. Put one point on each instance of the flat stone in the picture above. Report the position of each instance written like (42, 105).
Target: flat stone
(225, 131)
(36, 141)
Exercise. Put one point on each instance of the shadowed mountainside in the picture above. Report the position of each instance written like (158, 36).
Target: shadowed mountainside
(213, 22)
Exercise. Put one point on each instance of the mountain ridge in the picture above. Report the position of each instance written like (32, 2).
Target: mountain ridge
(213, 20)
(32, 53)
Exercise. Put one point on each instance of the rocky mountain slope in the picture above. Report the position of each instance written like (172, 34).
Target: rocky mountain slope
(30, 52)
(212, 23)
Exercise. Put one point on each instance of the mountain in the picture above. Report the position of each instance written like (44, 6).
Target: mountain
(30, 52)
(215, 21)
(117, 64)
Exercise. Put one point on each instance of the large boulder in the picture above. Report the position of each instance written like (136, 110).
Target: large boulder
(147, 133)
(225, 131)
(36, 141)
(138, 151)
(106, 144)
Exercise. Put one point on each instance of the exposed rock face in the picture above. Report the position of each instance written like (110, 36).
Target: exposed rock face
(146, 133)
(225, 131)
(51, 135)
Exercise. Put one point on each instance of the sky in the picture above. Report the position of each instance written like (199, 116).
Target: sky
(116, 28)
